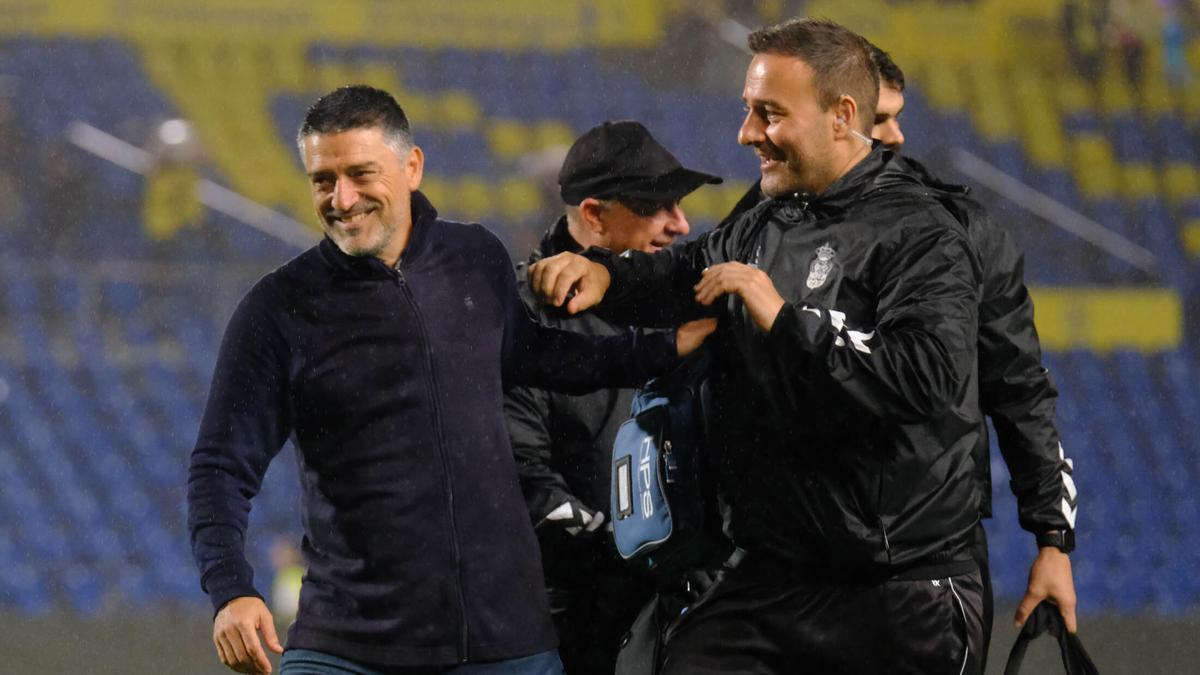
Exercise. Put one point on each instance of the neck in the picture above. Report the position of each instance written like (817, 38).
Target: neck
(848, 162)
(391, 253)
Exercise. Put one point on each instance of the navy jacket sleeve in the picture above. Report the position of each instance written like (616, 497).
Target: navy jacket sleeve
(1015, 390)
(245, 424)
(914, 363)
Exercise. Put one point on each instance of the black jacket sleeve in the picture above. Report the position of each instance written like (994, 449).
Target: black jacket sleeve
(245, 424)
(658, 290)
(914, 363)
(528, 413)
(573, 363)
(1015, 390)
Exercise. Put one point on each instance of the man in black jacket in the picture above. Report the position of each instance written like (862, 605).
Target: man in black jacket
(621, 189)
(1015, 390)
(849, 409)
(383, 353)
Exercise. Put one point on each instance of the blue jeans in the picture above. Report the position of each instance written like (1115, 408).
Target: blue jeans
(307, 662)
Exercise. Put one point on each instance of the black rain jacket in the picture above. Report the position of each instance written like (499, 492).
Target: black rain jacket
(849, 427)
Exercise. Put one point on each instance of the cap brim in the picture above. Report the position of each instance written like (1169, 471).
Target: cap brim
(675, 185)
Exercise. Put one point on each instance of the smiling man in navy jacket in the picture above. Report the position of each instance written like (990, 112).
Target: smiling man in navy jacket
(383, 353)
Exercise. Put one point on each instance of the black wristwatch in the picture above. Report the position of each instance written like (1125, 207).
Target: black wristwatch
(1063, 540)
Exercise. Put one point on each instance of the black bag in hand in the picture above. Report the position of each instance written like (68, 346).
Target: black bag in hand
(1045, 618)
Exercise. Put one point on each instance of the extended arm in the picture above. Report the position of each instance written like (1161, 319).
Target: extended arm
(244, 426)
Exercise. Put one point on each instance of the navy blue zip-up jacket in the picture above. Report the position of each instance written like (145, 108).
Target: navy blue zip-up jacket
(390, 384)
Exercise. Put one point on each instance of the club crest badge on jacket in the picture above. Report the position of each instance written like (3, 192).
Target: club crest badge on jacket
(821, 266)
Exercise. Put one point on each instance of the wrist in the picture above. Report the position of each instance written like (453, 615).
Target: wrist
(1061, 540)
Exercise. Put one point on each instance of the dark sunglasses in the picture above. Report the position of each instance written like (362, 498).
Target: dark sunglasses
(647, 207)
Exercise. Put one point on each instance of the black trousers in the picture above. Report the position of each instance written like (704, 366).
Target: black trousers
(979, 551)
(759, 623)
(594, 597)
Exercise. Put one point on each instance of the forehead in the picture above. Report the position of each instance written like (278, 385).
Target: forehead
(779, 78)
(891, 101)
(344, 148)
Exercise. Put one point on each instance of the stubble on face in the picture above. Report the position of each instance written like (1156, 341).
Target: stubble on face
(361, 190)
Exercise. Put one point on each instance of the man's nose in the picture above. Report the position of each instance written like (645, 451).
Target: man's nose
(677, 223)
(345, 195)
(750, 131)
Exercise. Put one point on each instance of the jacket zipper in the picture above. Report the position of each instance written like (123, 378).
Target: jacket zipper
(438, 427)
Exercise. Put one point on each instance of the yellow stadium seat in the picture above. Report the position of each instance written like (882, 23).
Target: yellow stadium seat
(699, 205)
(459, 110)
(1139, 181)
(439, 191)
(1040, 125)
(552, 134)
(1074, 95)
(1096, 170)
(519, 199)
(1191, 237)
(508, 139)
(473, 199)
(1180, 180)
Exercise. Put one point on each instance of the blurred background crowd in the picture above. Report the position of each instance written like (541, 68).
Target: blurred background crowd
(148, 175)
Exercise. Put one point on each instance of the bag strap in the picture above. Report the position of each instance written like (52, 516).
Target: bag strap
(1045, 618)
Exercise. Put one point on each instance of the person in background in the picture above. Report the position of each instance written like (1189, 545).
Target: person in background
(621, 191)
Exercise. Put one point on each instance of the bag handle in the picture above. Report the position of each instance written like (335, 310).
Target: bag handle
(1045, 618)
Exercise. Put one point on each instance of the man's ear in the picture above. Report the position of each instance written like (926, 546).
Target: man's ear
(414, 168)
(845, 116)
(591, 213)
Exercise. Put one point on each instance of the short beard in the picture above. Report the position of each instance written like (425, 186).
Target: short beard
(344, 243)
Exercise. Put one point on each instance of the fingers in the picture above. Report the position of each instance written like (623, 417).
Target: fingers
(267, 625)
(255, 656)
(564, 281)
(236, 650)
(1068, 615)
(1026, 607)
(551, 279)
(689, 336)
(223, 652)
(724, 278)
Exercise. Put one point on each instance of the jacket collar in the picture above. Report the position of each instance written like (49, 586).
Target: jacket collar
(424, 218)
(878, 169)
(557, 240)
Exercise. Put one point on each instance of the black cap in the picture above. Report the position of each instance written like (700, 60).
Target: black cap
(622, 159)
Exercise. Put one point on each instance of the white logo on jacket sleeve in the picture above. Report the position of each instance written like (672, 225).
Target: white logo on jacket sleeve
(1070, 503)
(857, 338)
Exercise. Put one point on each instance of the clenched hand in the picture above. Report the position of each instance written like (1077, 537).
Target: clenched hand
(1049, 579)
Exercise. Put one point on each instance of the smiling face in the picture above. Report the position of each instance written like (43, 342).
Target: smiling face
(792, 135)
(362, 190)
(623, 224)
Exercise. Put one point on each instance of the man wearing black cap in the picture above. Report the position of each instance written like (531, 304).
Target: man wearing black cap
(622, 190)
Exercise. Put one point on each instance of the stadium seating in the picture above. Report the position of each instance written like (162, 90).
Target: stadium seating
(103, 370)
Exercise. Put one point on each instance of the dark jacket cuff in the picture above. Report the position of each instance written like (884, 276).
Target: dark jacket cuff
(229, 580)
(657, 353)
